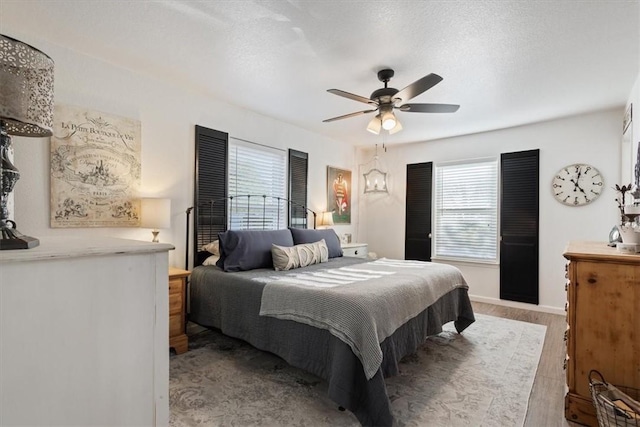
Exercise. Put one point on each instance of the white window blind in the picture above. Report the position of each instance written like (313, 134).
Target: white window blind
(257, 170)
(466, 213)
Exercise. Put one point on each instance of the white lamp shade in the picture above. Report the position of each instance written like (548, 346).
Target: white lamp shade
(396, 129)
(326, 219)
(375, 125)
(388, 120)
(155, 213)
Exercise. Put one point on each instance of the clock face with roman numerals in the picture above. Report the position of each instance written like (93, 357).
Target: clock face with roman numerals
(577, 185)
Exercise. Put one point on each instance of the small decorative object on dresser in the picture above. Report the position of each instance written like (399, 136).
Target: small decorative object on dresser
(603, 333)
(359, 250)
(177, 309)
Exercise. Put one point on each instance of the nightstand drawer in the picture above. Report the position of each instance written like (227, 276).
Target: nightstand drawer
(175, 286)
(175, 303)
(175, 325)
(177, 296)
(359, 250)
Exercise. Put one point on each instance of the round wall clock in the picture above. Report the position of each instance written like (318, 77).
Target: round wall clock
(577, 184)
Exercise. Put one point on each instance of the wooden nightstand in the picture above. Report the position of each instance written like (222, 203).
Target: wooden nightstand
(359, 250)
(177, 309)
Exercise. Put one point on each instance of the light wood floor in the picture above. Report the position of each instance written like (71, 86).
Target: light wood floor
(546, 404)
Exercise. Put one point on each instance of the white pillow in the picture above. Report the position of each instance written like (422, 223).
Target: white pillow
(213, 248)
(211, 260)
(289, 257)
(284, 257)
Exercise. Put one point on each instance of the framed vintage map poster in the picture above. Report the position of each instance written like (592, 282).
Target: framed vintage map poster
(339, 194)
(95, 169)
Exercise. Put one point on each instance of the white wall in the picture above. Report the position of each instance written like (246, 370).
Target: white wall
(591, 138)
(629, 155)
(168, 114)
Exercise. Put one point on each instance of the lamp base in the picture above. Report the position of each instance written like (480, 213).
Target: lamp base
(155, 236)
(13, 239)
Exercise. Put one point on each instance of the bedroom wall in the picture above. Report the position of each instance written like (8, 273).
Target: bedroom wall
(629, 157)
(169, 113)
(589, 138)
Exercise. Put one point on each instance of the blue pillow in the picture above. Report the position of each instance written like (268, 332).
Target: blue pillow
(303, 235)
(242, 250)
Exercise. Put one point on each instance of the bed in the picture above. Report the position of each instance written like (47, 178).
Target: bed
(291, 313)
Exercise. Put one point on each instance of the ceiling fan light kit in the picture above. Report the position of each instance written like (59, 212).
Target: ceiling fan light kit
(387, 98)
(375, 125)
(388, 118)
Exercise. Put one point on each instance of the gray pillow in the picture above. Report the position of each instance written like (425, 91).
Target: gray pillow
(242, 250)
(303, 235)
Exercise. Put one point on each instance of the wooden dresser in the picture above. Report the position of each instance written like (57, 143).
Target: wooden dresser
(603, 316)
(177, 309)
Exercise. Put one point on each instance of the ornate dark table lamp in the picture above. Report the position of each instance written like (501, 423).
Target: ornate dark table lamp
(26, 109)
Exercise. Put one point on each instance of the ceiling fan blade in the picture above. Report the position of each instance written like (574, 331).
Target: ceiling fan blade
(429, 108)
(351, 96)
(346, 116)
(417, 87)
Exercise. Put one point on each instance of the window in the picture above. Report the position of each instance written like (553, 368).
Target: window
(466, 214)
(256, 170)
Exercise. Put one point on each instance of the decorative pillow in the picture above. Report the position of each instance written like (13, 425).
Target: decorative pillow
(303, 235)
(242, 250)
(312, 253)
(284, 257)
(211, 260)
(287, 258)
(213, 248)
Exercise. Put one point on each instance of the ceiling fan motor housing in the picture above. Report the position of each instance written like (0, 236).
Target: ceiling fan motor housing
(383, 95)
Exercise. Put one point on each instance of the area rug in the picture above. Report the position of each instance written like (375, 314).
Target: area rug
(482, 377)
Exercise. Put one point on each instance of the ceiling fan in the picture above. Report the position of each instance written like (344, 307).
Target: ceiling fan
(386, 99)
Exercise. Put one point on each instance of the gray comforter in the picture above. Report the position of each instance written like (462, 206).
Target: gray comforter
(231, 302)
(361, 304)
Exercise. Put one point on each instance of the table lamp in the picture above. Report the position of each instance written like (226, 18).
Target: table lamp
(326, 219)
(155, 214)
(26, 109)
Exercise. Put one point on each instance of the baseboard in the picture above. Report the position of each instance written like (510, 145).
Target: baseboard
(514, 304)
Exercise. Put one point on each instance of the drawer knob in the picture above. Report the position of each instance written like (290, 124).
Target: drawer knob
(356, 252)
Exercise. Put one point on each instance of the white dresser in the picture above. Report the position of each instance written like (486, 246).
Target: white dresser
(359, 250)
(84, 330)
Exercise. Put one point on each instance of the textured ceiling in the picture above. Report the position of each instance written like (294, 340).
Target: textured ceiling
(506, 63)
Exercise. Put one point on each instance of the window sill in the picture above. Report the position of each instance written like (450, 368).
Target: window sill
(475, 263)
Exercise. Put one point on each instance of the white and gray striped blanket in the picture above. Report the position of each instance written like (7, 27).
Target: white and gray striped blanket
(361, 304)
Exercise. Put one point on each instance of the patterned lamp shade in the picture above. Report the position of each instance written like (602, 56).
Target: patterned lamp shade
(26, 89)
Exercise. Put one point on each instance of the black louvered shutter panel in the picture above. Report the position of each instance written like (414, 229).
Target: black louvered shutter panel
(212, 147)
(418, 212)
(519, 226)
(298, 172)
